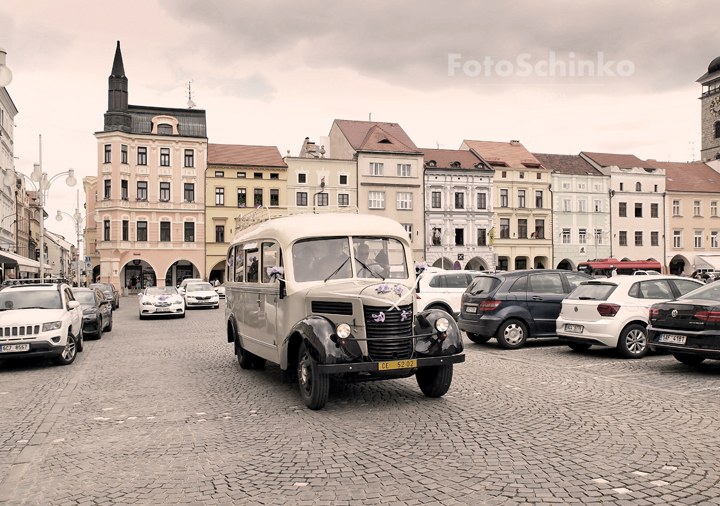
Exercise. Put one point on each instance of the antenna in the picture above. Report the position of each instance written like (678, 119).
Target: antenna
(190, 102)
(369, 116)
(692, 144)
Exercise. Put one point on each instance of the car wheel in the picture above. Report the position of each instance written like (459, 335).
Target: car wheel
(314, 386)
(633, 341)
(434, 381)
(109, 327)
(688, 359)
(81, 341)
(477, 338)
(579, 346)
(68, 355)
(245, 358)
(512, 335)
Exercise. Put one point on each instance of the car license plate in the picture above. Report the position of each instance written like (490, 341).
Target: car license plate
(13, 348)
(397, 364)
(672, 338)
(162, 310)
(578, 329)
(471, 309)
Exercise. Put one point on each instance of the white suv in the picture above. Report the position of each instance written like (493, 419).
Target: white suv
(443, 289)
(614, 311)
(40, 318)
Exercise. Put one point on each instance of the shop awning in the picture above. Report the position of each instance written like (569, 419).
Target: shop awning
(707, 262)
(25, 264)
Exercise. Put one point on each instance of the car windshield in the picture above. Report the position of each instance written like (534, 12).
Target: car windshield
(161, 290)
(708, 292)
(200, 287)
(592, 291)
(85, 298)
(30, 299)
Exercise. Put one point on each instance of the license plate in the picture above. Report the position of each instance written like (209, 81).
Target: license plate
(162, 310)
(471, 309)
(13, 348)
(672, 338)
(578, 329)
(397, 364)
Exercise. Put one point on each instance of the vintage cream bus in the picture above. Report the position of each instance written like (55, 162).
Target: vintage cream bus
(331, 297)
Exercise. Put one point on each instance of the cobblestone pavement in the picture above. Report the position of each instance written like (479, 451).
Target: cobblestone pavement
(158, 412)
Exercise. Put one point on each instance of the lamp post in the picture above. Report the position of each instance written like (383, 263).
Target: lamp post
(78, 219)
(5, 74)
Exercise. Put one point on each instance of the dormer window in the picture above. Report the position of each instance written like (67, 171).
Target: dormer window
(432, 163)
(455, 165)
(164, 129)
(384, 141)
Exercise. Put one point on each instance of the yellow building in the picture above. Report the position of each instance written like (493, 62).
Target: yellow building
(238, 179)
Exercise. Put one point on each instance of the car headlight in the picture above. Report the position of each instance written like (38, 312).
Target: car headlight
(342, 330)
(147, 303)
(47, 327)
(442, 324)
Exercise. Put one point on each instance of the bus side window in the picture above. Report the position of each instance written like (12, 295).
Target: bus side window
(252, 264)
(230, 264)
(239, 263)
(270, 259)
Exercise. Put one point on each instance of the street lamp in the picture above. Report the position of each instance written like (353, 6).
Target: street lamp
(78, 219)
(5, 74)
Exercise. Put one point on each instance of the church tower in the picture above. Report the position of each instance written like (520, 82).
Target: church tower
(710, 116)
(117, 116)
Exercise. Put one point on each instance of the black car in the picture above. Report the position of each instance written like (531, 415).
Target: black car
(110, 292)
(97, 311)
(689, 326)
(514, 306)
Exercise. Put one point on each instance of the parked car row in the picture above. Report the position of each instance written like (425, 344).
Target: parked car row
(170, 301)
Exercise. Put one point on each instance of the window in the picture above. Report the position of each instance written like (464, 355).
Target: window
(242, 197)
(404, 200)
(638, 238)
(376, 200)
(258, 197)
(376, 169)
(302, 178)
(696, 208)
(714, 239)
(164, 157)
(581, 186)
(275, 197)
(189, 158)
(504, 173)
(165, 231)
(403, 170)
(436, 236)
(343, 179)
(656, 188)
(656, 289)
(677, 238)
(582, 206)
(654, 238)
(504, 228)
(713, 208)
(189, 231)
(654, 210)
(436, 200)
(164, 129)
(301, 199)
(343, 199)
(219, 196)
(274, 175)
(219, 233)
(503, 198)
(598, 206)
(142, 190)
(698, 238)
(522, 228)
(545, 283)
(522, 175)
(622, 186)
(123, 154)
(598, 236)
(521, 198)
(598, 187)
(108, 188)
(322, 199)
(124, 189)
(141, 230)
(459, 200)
(623, 238)
(638, 210)
(539, 229)
(257, 175)
(219, 173)
(638, 187)
(676, 208)
(164, 192)
(106, 230)
(539, 199)
(408, 228)
(566, 186)
(189, 192)
(622, 209)
(482, 237)
(108, 153)
(241, 175)
(582, 236)
(717, 129)
(539, 176)
(125, 230)
(142, 156)
(566, 236)
(482, 201)
(567, 207)
(459, 237)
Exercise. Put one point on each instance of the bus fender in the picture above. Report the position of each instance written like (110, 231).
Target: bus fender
(435, 345)
(318, 334)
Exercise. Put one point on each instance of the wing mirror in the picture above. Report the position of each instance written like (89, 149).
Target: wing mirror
(73, 304)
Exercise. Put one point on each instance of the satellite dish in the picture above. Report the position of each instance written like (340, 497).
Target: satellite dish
(191, 104)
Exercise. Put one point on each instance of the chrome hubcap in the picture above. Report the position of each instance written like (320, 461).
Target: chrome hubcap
(69, 350)
(636, 341)
(513, 334)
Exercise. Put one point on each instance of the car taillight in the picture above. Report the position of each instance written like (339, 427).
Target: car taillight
(708, 316)
(653, 313)
(488, 305)
(608, 309)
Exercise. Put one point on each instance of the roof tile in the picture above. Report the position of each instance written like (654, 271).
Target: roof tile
(237, 154)
(443, 158)
(513, 154)
(689, 176)
(568, 164)
(357, 132)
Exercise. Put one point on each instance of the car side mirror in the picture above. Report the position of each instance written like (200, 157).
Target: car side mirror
(104, 302)
(73, 304)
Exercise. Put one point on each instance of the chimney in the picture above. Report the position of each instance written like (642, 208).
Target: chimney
(514, 143)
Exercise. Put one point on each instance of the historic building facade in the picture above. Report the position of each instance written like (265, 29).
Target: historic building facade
(458, 210)
(150, 190)
(8, 239)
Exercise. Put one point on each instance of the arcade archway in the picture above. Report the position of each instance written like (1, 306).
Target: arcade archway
(180, 270)
(443, 263)
(476, 264)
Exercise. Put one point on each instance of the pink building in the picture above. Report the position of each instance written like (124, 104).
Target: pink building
(149, 214)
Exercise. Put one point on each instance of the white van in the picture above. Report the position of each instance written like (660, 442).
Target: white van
(331, 296)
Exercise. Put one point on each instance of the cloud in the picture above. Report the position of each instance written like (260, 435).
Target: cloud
(252, 87)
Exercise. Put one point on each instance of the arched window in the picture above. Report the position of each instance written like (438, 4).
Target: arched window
(638, 187)
(717, 129)
(164, 129)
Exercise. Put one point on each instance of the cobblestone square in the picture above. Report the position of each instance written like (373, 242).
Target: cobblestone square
(159, 412)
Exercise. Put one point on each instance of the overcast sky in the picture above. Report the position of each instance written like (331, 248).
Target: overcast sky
(272, 73)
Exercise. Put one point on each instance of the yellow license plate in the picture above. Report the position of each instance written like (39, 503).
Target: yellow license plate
(398, 364)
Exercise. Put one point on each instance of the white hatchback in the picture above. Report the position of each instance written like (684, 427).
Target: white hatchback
(443, 289)
(614, 311)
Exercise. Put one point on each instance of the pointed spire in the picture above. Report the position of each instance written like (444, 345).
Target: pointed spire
(118, 70)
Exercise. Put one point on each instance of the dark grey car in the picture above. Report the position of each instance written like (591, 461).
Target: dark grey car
(110, 293)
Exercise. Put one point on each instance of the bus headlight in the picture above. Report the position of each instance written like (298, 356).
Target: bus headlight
(342, 330)
(442, 324)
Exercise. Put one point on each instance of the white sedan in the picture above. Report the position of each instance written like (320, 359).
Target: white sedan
(161, 301)
(201, 295)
